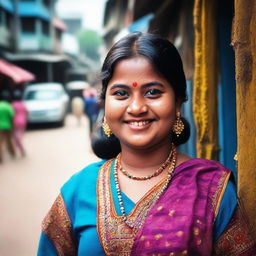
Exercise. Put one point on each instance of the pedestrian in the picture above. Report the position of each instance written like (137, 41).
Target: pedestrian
(19, 120)
(77, 108)
(91, 106)
(146, 198)
(6, 126)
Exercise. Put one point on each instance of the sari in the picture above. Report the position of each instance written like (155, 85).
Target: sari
(164, 228)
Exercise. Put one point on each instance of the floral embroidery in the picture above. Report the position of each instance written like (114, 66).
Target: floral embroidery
(57, 226)
(117, 237)
(222, 183)
(236, 240)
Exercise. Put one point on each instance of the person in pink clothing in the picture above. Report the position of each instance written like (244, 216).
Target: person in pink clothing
(19, 120)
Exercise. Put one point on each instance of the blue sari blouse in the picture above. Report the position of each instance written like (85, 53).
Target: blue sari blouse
(79, 195)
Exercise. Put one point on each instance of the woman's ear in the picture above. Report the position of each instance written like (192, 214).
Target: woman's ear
(178, 106)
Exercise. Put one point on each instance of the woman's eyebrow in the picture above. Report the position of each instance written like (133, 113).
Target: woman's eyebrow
(114, 86)
(146, 85)
(154, 83)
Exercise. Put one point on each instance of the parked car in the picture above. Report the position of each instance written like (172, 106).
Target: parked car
(46, 102)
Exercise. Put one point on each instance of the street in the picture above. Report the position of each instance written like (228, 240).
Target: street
(29, 185)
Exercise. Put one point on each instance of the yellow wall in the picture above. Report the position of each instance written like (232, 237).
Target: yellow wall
(244, 44)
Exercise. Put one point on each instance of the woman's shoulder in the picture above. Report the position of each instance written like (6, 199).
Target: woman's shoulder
(201, 163)
(84, 178)
(89, 171)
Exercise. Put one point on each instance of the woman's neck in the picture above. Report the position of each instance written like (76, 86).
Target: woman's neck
(143, 161)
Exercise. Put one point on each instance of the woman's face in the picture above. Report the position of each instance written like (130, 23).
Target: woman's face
(140, 105)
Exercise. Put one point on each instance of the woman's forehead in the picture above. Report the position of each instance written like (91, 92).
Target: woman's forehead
(135, 71)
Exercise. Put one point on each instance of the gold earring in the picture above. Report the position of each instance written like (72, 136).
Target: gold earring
(178, 126)
(106, 128)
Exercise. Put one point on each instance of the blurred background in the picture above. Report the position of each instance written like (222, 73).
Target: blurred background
(51, 53)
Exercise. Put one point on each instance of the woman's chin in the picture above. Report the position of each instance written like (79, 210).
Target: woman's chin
(139, 143)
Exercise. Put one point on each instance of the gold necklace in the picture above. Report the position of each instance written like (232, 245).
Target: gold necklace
(147, 177)
(168, 179)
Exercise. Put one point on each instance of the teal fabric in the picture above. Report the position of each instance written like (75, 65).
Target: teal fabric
(46, 247)
(226, 210)
(79, 195)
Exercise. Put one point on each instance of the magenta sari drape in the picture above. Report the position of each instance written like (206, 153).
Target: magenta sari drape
(181, 222)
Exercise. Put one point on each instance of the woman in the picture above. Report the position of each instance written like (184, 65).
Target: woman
(19, 120)
(147, 199)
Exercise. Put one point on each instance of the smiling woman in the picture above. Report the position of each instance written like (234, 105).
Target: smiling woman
(140, 116)
(145, 198)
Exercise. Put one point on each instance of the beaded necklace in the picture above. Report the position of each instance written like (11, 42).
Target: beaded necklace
(168, 179)
(147, 177)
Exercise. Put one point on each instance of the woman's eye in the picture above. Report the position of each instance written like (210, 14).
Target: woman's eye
(153, 93)
(121, 93)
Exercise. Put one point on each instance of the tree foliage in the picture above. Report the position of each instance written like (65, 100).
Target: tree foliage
(89, 42)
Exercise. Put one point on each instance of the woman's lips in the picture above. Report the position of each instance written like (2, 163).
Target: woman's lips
(139, 125)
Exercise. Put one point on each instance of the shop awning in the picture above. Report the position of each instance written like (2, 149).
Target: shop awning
(59, 24)
(42, 57)
(141, 24)
(7, 5)
(17, 74)
(34, 9)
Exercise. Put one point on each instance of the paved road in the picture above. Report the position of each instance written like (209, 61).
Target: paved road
(28, 186)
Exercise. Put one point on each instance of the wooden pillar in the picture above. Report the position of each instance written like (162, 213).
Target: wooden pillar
(244, 43)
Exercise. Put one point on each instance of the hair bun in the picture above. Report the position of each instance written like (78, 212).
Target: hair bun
(104, 147)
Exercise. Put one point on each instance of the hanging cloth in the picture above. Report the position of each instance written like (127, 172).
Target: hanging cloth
(205, 79)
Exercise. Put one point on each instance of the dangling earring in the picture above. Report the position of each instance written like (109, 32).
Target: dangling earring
(106, 128)
(178, 126)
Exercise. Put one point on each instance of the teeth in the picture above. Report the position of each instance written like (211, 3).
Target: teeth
(140, 123)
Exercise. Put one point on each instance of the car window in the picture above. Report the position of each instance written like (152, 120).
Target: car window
(43, 95)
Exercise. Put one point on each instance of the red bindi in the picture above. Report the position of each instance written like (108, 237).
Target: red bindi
(134, 84)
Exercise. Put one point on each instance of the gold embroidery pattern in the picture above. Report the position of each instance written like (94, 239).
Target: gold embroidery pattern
(216, 199)
(117, 237)
(236, 239)
(57, 226)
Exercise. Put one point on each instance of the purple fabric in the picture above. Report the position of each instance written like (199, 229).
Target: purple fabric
(181, 222)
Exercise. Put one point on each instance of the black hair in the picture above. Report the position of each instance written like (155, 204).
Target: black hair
(166, 60)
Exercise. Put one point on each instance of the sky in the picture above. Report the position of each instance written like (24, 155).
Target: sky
(91, 11)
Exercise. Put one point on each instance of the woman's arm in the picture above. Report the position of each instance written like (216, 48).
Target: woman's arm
(57, 237)
(236, 240)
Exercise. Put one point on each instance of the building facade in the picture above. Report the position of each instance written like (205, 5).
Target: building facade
(31, 38)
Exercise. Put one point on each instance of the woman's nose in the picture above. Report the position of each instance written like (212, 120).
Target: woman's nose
(137, 106)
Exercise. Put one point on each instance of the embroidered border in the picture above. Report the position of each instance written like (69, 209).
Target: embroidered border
(57, 226)
(236, 239)
(216, 199)
(115, 236)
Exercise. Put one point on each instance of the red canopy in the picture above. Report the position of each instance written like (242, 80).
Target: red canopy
(17, 74)
(59, 24)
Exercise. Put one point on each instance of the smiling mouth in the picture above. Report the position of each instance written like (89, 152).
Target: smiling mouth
(139, 123)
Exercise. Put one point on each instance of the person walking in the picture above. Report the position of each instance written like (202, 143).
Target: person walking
(91, 108)
(6, 120)
(77, 108)
(19, 120)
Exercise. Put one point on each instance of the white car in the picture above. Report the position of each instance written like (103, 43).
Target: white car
(46, 102)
